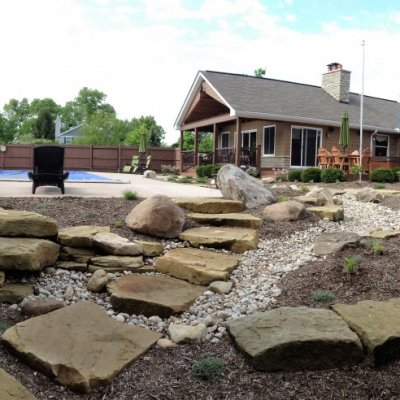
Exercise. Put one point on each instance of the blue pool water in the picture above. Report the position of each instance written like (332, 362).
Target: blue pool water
(74, 176)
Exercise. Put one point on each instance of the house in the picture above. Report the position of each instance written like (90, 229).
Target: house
(68, 136)
(271, 123)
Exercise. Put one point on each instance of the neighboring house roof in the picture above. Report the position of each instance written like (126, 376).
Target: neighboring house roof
(264, 98)
(72, 132)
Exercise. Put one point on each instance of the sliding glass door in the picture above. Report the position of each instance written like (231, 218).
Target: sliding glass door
(305, 143)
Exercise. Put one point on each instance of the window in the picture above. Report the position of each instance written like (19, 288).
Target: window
(249, 139)
(381, 145)
(224, 140)
(269, 140)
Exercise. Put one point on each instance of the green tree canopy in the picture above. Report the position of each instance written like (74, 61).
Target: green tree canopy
(205, 141)
(147, 125)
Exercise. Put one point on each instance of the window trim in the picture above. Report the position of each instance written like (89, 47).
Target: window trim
(229, 136)
(373, 146)
(263, 142)
(320, 129)
(249, 132)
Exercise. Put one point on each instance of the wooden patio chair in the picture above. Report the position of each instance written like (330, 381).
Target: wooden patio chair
(336, 157)
(324, 158)
(129, 168)
(48, 167)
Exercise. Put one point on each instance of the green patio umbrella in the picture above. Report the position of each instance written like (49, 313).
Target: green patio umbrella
(344, 131)
(143, 143)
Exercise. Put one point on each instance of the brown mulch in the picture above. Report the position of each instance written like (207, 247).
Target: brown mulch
(166, 374)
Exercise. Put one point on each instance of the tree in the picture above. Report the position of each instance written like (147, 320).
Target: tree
(260, 72)
(205, 141)
(147, 125)
(44, 126)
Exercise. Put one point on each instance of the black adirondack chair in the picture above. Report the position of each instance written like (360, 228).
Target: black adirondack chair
(48, 167)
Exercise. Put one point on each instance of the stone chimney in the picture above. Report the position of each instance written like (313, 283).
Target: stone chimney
(336, 82)
(58, 127)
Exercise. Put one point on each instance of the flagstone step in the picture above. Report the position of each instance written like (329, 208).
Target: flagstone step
(330, 212)
(237, 240)
(197, 266)
(11, 389)
(231, 219)
(209, 205)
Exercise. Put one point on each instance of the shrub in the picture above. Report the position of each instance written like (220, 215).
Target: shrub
(294, 175)
(377, 247)
(383, 175)
(379, 186)
(323, 296)
(332, 175)
(4, 325)
(169, 170)
(208, 369)
(130, 195)
(351, 263)
(201, 179)
(304, 188)
(172, 178)
(357, 169)
(186, 179)
(396, 172)
(253, 171)
(281, 199)
(281, 174)
(207, 170)
(118, 223)
(312, 174)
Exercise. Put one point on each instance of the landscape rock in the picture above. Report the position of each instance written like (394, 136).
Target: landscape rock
(332, 242)
(268, 179)
(11, 389)
(80, 236)
(27, 254)
(2, 278)
(117, 263)
(330, 212)
(221, 287)
(377, 323)
(384, 234)
(72, 265)
(26, 224)
(157, 216)
(98, 281)
(77, 254)
(80, 346)
(323, 196)
(197, 266)
(230, 219)
(117, 245)
(236, 184)
(14, 293)
(209, 205)
(369, 195)
(181, 333)
(150, 249)
(295, 339)
(285, 211)
(237, 240)
(152, 295)
(33, 308)
(165, 343)
(149, 174)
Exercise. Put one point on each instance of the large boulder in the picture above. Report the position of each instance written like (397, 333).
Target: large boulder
(157, 216)
(80, 346)
(80, 236)
(27, 254)
(377, 323)
(26, 224)
(197, 266)
(117, 245)
(236, 184)
(369, 195)
(11, 389)
(296, 338)
(285, 211)
(332, 242)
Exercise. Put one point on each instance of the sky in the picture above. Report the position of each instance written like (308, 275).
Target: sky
(145, 54)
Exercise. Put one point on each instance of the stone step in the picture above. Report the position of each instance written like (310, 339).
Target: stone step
(384, 234)
(152, 295)
(209, 205)
(241, 220)
(11, 389)
(237, 240)
(197, 266)
(331, 212)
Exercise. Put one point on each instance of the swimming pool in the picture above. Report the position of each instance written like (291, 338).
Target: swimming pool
(74, 176)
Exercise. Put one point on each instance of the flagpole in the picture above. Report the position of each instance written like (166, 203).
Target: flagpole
(362, 104)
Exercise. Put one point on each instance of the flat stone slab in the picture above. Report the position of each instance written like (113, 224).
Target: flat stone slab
(14, 293)
(230, 219)
(120, 263)
(77, 254)
(332, 242)
(80, 236)
(27, 254)
(11, 389)
(197, 266)
(80, 346)
(141, 270)
(377, 323)
(26, 224)
(237, 240)
(384, 234)
(72, 265)
(150, 249)
(209, 205)
(152, 295)
(117, 245)
(295, 339)
(331, 212)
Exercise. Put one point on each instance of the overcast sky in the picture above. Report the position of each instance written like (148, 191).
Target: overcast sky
(144, 54)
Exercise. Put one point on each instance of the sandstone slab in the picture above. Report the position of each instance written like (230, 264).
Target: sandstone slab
(98, 281)
(77, 254)
(330, 212)
(332, 242)
(37, 307)
(14, 293)
(11, 389)
(80, 236)
(80, 346)
(72, 265)
(237, 240)
(117, 245)
(26, 224)
(285, 211)
(197, 266)
(181, 333)
(118, 263)
(150, 249)
(369, 195)
(230, 219)
(296, 338)
(209, 205)
(384, 234)
(2, 278)
(221, 287)
(152, 295)
(27, 254)
(377, 323)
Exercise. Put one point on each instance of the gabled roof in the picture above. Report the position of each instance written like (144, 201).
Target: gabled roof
(72, 132)
(264, 98)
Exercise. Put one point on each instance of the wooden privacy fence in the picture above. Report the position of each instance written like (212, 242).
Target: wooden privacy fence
(89, 157)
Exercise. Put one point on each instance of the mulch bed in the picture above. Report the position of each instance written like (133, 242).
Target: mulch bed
(166, 374)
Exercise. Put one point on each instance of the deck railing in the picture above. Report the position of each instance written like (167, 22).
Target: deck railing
(188, 160)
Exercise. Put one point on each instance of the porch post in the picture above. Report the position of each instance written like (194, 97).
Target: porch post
(181, 152)
(238, 141)
(196, 146)
(215, 144)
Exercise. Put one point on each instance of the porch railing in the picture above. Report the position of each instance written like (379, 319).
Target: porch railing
(248, 157)
(225, 155)
(206, 158)
(188, 160)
